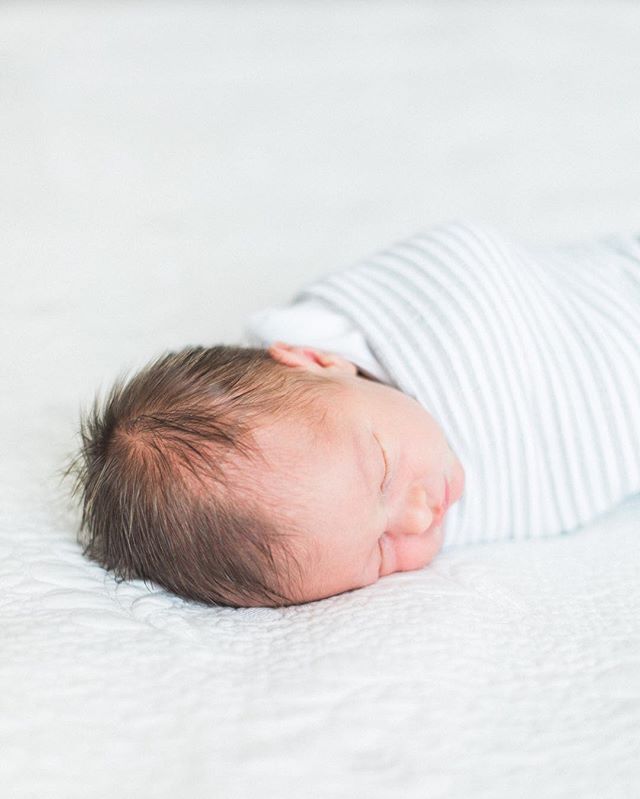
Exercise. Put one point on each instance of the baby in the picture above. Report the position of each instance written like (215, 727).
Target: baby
(455, 388)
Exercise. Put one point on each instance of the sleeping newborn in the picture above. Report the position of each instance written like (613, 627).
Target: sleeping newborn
(454, 388)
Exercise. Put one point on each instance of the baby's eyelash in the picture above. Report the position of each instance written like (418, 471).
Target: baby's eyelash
(386, 465)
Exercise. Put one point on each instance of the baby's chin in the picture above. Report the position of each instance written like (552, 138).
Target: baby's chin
(433, 544)
(430, 546)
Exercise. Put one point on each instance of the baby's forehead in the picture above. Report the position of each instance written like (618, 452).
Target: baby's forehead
(298, 457)
(327, 426)
(331, 424)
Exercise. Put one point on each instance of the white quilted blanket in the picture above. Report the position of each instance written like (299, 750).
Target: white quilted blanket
(156, 161)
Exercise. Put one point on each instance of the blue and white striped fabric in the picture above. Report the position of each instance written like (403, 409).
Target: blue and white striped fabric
(527, 356)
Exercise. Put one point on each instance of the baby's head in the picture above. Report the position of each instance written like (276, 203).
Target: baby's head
(247, 477)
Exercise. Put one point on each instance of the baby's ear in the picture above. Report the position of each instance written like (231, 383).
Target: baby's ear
(309, 358)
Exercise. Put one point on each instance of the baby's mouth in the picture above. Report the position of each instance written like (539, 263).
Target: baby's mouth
(437, 520)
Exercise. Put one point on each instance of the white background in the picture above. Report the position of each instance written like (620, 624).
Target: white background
(167, 168)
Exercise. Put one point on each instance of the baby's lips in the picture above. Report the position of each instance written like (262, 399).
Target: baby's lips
(456, 483)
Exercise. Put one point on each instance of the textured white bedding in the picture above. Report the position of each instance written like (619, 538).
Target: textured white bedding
(156, 160)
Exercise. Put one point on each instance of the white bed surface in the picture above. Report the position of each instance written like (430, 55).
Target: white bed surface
(167, 169)
(508, 670)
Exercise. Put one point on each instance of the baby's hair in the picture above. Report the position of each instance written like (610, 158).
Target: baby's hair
(164, 474)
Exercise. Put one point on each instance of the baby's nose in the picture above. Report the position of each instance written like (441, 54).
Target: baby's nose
(417, 515)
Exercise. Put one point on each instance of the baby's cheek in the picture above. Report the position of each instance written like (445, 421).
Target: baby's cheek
(370, 572)
(388, 562)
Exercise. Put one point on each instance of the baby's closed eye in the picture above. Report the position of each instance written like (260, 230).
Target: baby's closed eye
(385, 464)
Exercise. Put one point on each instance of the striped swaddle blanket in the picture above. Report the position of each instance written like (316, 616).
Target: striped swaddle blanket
(527, 356)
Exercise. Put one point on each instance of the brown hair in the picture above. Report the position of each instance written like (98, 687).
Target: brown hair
(164, 475)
